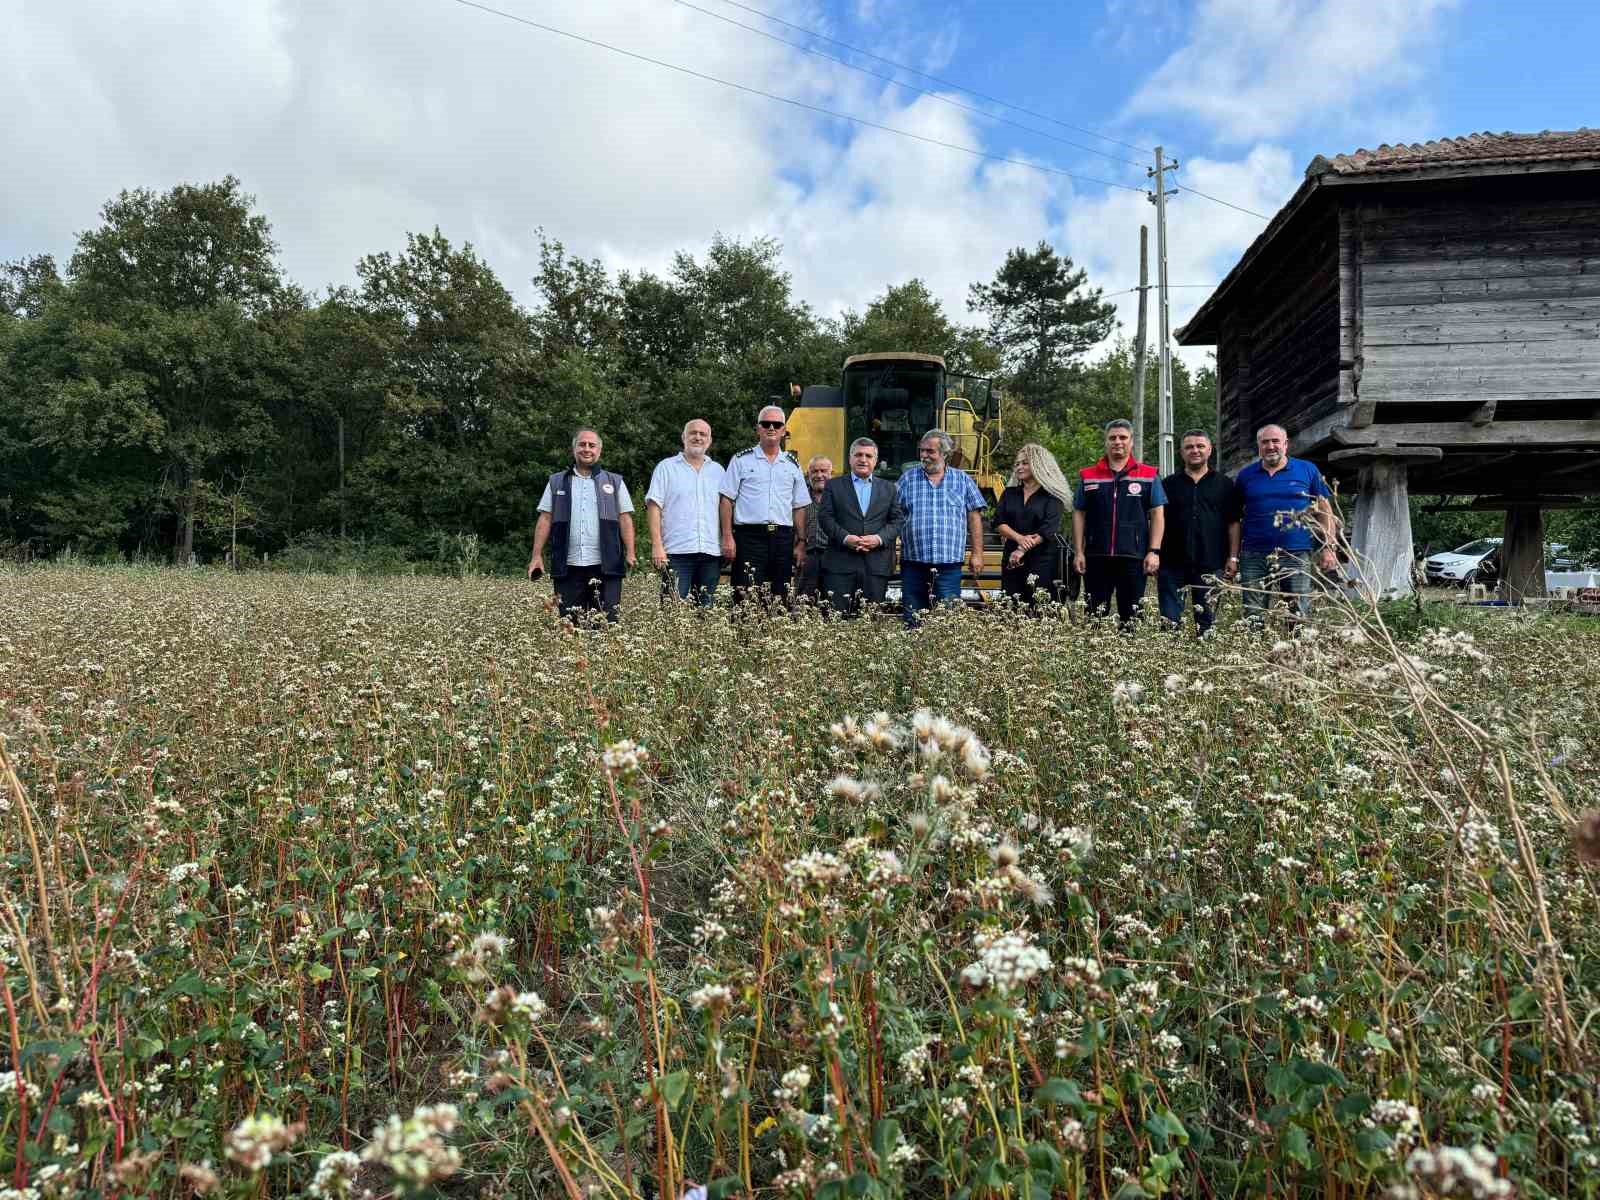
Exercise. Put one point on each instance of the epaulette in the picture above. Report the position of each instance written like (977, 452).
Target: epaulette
(747, 450)
(792, 457)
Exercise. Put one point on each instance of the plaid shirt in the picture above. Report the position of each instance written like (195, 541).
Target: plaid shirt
(936, 517)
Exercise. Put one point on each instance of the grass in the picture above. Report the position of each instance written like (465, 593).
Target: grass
(321, 886)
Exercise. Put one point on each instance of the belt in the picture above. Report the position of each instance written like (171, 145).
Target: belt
(769, 526)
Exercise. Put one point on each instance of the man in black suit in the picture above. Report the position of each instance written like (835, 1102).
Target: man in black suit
(861, 517)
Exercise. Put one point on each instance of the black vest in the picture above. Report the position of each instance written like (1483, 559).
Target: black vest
(561, 520)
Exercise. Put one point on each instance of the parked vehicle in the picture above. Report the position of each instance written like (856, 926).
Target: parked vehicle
(1465, 564)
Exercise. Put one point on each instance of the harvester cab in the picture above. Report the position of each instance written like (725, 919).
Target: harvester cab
(895, 399)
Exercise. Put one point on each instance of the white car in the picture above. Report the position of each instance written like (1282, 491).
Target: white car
(1459, 567)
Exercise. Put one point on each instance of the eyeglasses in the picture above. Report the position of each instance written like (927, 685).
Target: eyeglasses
(770, 424)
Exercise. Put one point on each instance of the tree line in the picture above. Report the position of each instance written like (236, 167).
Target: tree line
(171, 394)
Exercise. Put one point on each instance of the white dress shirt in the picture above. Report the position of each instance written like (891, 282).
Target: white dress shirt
(688, 500)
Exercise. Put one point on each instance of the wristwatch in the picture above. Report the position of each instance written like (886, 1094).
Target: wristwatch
(1156, 550)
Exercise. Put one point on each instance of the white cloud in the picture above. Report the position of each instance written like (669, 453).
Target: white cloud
(356, 123)
(1261, 68)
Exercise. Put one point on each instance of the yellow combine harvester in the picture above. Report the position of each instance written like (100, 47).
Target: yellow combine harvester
(894, 399)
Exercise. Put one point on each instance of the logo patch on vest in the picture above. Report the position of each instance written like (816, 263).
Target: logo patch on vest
(607, 488)
(1134, 489)
(1089, 487)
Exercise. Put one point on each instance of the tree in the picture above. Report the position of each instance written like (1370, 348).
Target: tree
(463, 402)
(166, 358)
(910, 318)
(1042, 318)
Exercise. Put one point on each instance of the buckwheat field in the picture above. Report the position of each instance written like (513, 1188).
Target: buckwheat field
(340, 887)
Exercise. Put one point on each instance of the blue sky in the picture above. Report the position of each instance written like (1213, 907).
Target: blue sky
(356, 122)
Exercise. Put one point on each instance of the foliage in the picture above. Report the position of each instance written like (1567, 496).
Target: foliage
(1043, 318)
(395, 885)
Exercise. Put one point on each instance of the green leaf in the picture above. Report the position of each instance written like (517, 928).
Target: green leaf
(320, 972)
(1283, 1082)
(1378, 1041)
(672, 1087)
(1318, 1074)
(885, 1137)
(1297, 1145)
(1060, 1091)
(1354, 1105)
(722, 1189)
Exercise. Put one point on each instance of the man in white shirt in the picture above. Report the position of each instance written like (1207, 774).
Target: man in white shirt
(586, 516)
(681, 508)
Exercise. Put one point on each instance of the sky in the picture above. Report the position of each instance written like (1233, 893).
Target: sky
(353, 122)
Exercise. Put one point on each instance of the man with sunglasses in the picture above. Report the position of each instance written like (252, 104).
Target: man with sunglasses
(764, 502)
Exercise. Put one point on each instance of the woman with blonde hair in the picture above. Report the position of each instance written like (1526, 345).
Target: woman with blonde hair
(1028, 518)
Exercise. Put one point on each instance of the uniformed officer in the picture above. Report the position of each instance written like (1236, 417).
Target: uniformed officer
(764, 501)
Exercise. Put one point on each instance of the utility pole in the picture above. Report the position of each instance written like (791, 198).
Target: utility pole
(1159, 199)
(1139, 355)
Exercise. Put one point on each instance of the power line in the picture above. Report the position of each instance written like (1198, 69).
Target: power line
(941, 82)
(827, 112)
(1225, 203)
(804, 49)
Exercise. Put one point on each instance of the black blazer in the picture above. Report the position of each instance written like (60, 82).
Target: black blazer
(840, 515)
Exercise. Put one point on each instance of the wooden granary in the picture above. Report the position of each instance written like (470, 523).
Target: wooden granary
(1426, 319)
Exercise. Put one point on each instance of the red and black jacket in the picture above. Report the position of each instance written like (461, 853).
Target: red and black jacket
(1116, 508)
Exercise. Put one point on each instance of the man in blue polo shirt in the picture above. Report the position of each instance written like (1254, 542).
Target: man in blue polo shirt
(1278, 501)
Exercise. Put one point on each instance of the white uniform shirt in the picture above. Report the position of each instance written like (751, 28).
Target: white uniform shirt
(763, 492)
(583, 536)
(687, 499)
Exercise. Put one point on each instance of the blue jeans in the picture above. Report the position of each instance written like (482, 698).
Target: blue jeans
(922, 585)
(696, 575)
(1175, 585)
(1262, 575)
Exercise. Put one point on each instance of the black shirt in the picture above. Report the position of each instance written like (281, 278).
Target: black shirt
(1197, 520)
(1041, 515)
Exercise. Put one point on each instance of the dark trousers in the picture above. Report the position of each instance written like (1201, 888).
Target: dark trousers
(925, 585)
(1175, 585)
(763, 560)
(847, 591)
(1032, 584)
(1124, 576)
(808, 584)
(585, 589)
(694, 575)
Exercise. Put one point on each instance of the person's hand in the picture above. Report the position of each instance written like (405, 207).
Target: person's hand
(658, 556)
(1080, 564)
(977, 561)
(1230, 568)
(870, 541)
(1016, 557)
(535, 569)
(852, 541)
(799, 554)
(632, 559)
(1152, 564)
(1327, 560)
(727, 547)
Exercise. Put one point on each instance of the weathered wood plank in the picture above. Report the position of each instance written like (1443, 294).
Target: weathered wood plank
(1482, 266)
(1449, 291)
(1511, 356)
(1522, 243)
(1465, 433)
(1512, 218)
(1580, 309)
(1413, 329)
